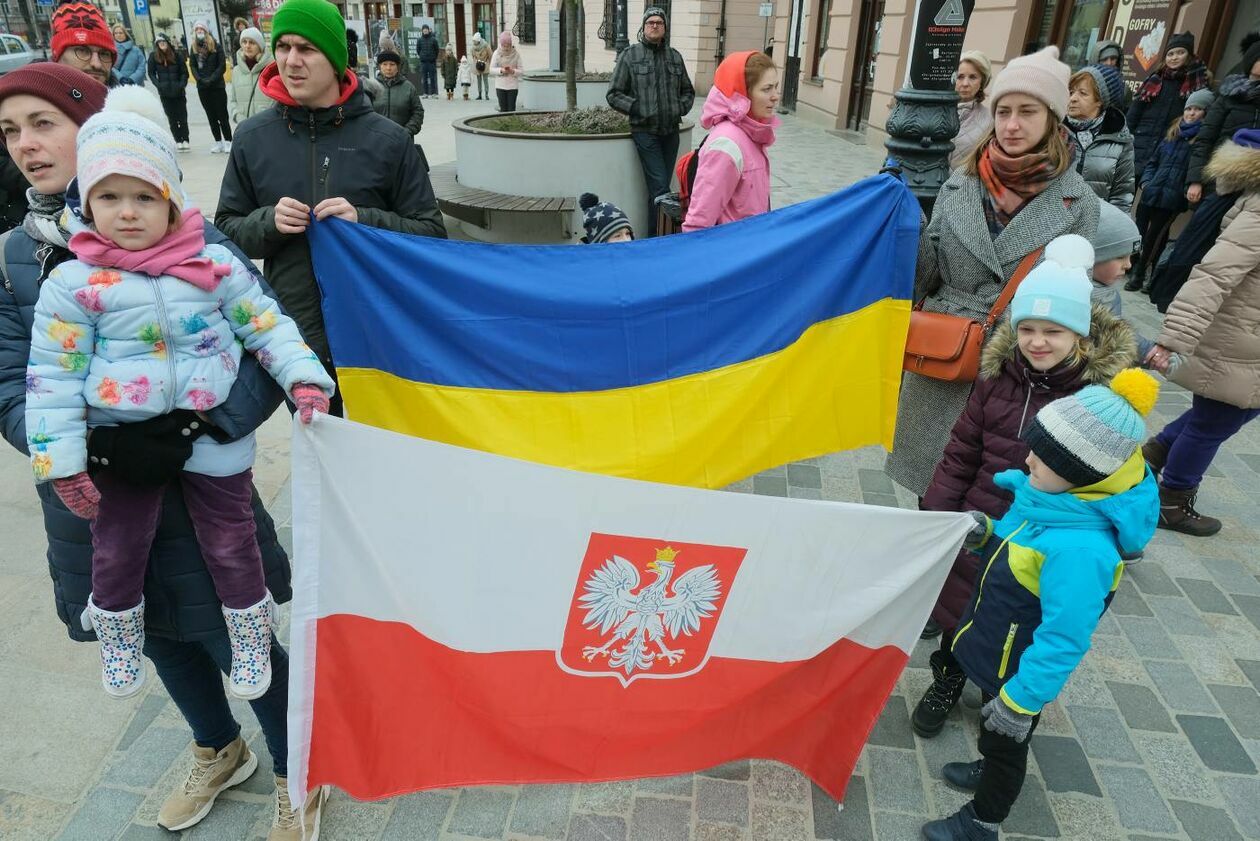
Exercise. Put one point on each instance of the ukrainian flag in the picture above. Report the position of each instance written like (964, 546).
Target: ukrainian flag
(694, 359)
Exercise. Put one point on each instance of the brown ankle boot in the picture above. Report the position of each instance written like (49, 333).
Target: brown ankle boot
(1176, 513)
(1156, 455)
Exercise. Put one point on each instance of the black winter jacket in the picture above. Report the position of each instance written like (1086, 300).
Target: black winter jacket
(1237, 106)
(400, 102)
(209, 70)
(179, 595)
(1149, 121)
(347, 150)
(171, 80)
(650, 85)
(1163, 182)
(427, 48)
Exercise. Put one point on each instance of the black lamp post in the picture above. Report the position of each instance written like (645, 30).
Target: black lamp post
(623, 26)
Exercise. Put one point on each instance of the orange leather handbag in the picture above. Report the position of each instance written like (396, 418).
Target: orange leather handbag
(947, 347)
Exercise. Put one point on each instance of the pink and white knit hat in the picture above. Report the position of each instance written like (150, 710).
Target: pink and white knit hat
(126, 138)
(1040, 75)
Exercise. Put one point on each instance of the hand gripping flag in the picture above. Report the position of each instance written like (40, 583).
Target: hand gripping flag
(697, 359)
(462, 618)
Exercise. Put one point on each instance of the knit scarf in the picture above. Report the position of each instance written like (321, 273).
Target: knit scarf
(1241, 86)
(1193, 75)
(1188, 131)
(1084, 131)
(44, 221)
(1012, 182)
(177, 254)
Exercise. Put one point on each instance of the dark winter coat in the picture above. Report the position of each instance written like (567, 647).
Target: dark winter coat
(650, 85)
(450, 71)
(13, 185)
(208, 69)
(427, 48)
(346, 150)
(180, 599)
(988, 437)
(1163, 182)
(1237, 106)
(1107, 165)
(1149, 121)
(171, 80)
(400, 102)
(961, 271)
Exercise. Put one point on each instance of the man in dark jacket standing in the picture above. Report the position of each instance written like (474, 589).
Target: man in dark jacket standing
(321, 151)
(399, 101)
(650, 85)
(427, 49)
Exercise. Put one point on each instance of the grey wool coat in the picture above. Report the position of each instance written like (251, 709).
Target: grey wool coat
(961, 271)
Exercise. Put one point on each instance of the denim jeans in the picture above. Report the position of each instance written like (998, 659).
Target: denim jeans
(657, 154)
(428, 77)
(1193, 439)
(192, 673)
(483, 85)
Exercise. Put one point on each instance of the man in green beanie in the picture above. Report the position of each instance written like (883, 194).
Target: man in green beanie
(322, 151)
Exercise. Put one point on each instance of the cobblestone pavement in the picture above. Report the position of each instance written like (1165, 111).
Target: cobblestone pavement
(1156, 736)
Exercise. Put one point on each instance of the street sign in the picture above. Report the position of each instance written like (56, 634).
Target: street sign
(766, 10)
(142, 7)
(44, 2)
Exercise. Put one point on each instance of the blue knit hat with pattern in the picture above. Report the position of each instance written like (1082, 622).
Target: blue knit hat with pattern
(601, 219)
(1110, 84)
(1058, 288)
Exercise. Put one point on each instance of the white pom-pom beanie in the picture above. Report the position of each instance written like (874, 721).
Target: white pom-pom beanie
(1058, 288)
(129, 137)
(1040, 75)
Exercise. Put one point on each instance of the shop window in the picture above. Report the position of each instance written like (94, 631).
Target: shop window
(822, 29)
(483, 14)
(1076, 28)
(608, 26)
(437, 11)
(525, 28)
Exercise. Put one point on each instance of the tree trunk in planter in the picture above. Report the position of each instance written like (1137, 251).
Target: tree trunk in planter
(571, 53)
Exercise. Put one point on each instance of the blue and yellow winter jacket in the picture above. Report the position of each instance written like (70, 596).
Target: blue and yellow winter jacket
(1051, 567)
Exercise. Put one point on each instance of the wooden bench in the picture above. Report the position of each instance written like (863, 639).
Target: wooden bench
(475, 206)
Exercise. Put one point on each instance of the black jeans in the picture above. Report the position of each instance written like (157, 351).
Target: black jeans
(214, 100)
(1005, 765)
(176, 108)
(428, 78)
(192, 673)
(507, 98)
(1153, 224)
(657, 154)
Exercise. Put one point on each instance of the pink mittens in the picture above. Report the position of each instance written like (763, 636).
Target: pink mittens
(79, 494)
(309, 399)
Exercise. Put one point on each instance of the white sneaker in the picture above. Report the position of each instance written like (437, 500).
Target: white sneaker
(183, 146)
(217, 148)
(226, 146)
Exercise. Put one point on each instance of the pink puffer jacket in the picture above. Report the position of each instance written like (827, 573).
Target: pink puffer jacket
(733, 176)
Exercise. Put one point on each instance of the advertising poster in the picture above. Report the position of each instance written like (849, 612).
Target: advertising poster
(939, 30)
(1142, 28)
(194, 11)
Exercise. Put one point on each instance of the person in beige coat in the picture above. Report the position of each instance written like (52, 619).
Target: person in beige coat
(1210, 344)
(974, 118)
(244, 98)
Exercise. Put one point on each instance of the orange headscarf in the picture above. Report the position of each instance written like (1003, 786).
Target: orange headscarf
(729, 78)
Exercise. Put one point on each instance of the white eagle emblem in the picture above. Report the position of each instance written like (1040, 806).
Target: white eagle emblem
(640, 621)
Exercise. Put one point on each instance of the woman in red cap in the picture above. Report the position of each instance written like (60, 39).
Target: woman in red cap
(733, 176)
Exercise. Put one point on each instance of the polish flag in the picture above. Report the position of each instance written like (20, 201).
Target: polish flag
(462, 618)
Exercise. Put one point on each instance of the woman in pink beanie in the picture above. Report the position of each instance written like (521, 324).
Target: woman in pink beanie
(505, 64)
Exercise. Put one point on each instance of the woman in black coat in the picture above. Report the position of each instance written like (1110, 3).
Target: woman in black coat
(1162, 97)
(208, 66)
(185, 636)
(169, 74)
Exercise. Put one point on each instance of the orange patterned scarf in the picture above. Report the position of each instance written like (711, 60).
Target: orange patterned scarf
(1012, 182)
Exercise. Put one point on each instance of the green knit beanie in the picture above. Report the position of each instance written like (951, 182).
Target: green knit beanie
(319, 22)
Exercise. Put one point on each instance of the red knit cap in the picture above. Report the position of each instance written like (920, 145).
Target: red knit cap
(80, 25)
(729, 78)
(76, 93)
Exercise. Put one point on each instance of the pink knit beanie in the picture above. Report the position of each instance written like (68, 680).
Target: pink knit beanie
(505, 39)
(1040, 75)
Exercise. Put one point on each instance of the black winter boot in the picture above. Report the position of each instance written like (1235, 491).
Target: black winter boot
(963, 825)
(1155, 453)
(1176, 513)
(948, 681)
(963, 775)
(1135, 281)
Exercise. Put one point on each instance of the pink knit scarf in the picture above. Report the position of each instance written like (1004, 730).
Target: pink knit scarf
(176, 254)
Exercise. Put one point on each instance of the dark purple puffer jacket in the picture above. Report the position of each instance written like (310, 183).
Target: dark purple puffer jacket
(987, 438)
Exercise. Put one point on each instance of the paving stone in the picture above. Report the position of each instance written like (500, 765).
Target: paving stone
(1114, 658)
(770, 485)
(1179, 617)
(234, 819)
(1211, 660)
(149, 756)
(1216, 744)
(778, 782)
(142, 832)
(737, 770)
(1242, 796)
(1206, 596)
(1179, 686)
(1137, 802)
(952, 744)
(24, 817)
(882, 500)
(893, 826)
(892, 728)
(1102, 734)
(262, 781)
(804, 476)
(679, 786)
(1232, 576)
(149, 709)
(1251, 668)
(777, 821)
(1241, 706)
(1085, 686)
(660, 819)
(542, 810)
(1250, 607)
(1085, 817)
(1174, 766)
(345, 817)
(804, 493)
(1063, 765)
(1151, 579)
(896, 782)
(1148, 636)
(876, 482)
(596, 828)
(1205, 823)
(1140, 708)
(608, 798)
(482, 812)
(418, 817)
(708, 831)
(853, 823)
(722, 800)
(1031, 814)
(1128, 602)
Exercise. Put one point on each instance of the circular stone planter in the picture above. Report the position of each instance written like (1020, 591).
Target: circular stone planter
(550, 166)
(545, 92)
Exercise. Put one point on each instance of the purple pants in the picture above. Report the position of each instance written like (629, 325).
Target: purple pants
(222, 518)
(1193, 439)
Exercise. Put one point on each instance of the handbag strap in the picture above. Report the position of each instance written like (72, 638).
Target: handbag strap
(1008, 292)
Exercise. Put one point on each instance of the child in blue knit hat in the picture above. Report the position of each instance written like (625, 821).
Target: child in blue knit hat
(1051, 567)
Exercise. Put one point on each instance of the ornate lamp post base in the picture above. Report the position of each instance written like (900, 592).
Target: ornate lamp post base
(921, 129)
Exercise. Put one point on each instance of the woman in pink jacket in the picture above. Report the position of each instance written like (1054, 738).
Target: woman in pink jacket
(733, 175)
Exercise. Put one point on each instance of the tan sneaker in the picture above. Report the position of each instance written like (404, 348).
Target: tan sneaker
(210, 774)
(289, 824)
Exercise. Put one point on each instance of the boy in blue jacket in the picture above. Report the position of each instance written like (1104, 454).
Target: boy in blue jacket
(1051, 567)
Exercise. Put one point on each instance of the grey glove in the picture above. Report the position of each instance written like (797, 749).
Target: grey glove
(1001, 719)
(979, 532)
(1175, 361)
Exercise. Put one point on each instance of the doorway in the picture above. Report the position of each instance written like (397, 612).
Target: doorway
(460, 47)
(862, 86)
